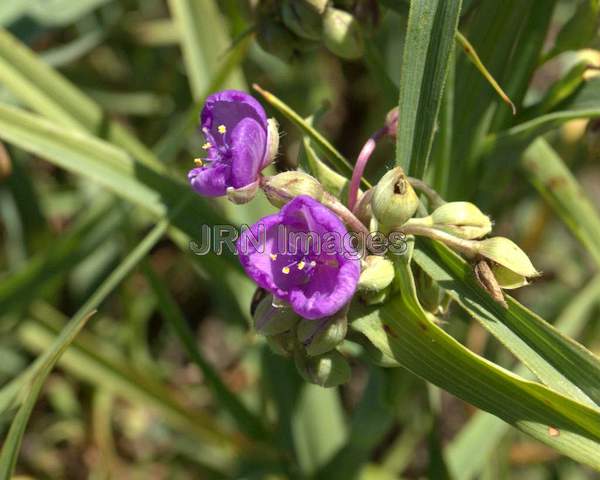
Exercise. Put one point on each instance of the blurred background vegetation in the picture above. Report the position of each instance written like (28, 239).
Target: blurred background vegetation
(155, 385)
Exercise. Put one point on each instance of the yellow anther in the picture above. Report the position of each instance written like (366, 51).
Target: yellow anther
(207, 145)
(285, 270)
(301, 265)
(222, 129)
(198, 161)
(273, 256)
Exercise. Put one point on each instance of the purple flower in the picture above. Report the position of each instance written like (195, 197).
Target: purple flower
(318, 275)
(237, 137)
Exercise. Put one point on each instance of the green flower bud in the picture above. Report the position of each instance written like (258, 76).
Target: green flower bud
(461, 219)
(377, 274)
(282, 344)
(321, 336)
(302, 18)
(284, 186)
(328, 370)
(342, 34)
(394, 200)
(510, 265)
(273, 319)
(370, 298)
(242, 195)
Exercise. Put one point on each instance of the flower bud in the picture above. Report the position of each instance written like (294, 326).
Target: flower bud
(284, 186)
(377, 274)
(319, 337)
(282, 344)
(461, 219)
(328, 370)
(342, 34)
(273, 318)
(394, 200)
(302, 18)
(372, 297)
(242, 195)
(510, 265)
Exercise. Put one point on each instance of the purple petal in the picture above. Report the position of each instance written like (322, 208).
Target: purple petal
(329, 291)
(228, 108)
(248, 143)
(210, 181)
(326, 281)
(256, 260)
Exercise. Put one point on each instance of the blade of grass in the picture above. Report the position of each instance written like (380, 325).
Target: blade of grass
(320, 142)
(483, 432)
(245, 419)
(112, 168)
(46, 91)
(472, 54)
(557, 185)
(427, 51)
(204, 41)
(401, 330)
(561, 363)
(12, 442)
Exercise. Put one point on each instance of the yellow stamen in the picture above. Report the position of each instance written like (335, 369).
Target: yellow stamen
(285, 270)
(222, 129)
(273, 256)
(207, 145)
(301, 265)
(198, 161)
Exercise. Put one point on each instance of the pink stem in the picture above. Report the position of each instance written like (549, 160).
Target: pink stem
(359, 167)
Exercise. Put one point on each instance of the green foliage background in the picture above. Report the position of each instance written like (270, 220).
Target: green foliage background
(122, 355)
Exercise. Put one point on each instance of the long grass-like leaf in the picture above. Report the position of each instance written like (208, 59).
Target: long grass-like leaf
(561, 363)
(427, 51)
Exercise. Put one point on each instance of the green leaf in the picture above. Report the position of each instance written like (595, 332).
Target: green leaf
(426, 350)
(557, 185)
(46, 91)
(111, 167)
(483, 432)
(46, 362)
(89, 232)
(204, 41)
(12, 442)
(318, 426)
(427, 52)
(561, 363)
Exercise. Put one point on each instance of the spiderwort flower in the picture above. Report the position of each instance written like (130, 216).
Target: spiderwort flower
(316, 277)
(238, 145)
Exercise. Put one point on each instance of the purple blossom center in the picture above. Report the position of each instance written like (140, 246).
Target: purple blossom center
(306, 263)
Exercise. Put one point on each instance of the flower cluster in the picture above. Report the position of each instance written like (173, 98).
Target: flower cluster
(305, 266)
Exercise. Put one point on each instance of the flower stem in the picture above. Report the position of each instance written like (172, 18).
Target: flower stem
(361, 163)
(435, 200)
(469, 248)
